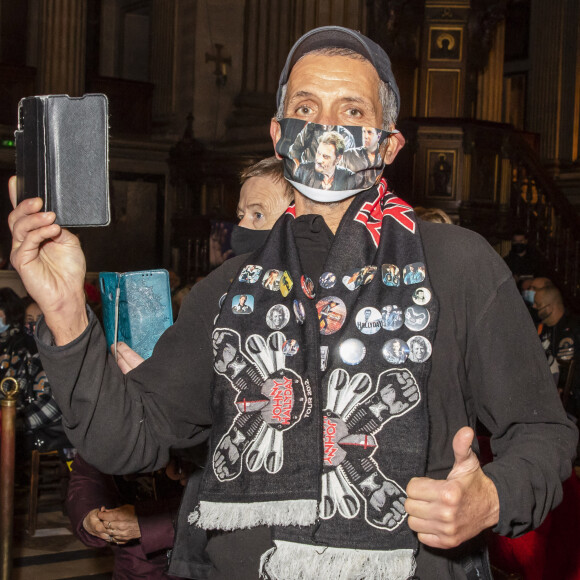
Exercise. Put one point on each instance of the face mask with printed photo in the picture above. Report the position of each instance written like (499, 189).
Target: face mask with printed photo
(328, 163)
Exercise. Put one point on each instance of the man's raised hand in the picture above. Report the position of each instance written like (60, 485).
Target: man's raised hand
(51, 264)
(446, 513)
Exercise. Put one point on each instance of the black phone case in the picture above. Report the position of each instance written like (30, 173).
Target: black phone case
(62, 156)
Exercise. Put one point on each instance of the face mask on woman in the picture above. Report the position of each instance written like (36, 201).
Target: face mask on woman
(3, 326)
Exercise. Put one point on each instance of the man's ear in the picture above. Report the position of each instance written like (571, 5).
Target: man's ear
(395, 143)
(276, 134)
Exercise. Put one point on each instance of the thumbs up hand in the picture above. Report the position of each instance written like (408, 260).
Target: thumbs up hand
(446, 513)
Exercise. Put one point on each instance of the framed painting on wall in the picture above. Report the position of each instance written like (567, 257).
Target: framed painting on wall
(445, 43)
(441, 172)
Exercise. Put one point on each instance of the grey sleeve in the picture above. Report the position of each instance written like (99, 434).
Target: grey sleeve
(127, 423)
(532, 440)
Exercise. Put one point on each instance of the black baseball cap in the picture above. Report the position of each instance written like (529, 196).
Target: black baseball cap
(339, 37)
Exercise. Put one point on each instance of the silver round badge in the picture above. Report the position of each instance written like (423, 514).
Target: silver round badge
(419, 349)
(352, 351)
(368, 320)
(421, 296)
(327, 280)
(299, 311)
(395, 351)
(278, 317)
(416, 318)
(392, 317)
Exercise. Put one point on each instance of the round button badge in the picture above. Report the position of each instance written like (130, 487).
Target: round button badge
(352, 351)
(419, 349)
(368, 320)
(421, 296)
(416, 318)
(395, 351)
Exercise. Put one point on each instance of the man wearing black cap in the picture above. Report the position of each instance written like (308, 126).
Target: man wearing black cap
(355, 468)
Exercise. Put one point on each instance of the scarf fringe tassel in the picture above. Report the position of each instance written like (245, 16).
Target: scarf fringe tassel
(233, 516)
(294, 561)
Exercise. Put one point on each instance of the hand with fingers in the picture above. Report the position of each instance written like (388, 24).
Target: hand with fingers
(127, 358)
(95, 526)
(121, 523)
(446, 513)
(51, 264)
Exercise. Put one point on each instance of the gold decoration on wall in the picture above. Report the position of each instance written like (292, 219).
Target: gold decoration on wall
(445, 44)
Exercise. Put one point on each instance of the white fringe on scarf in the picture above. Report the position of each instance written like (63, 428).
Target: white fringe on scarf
(294, 561)
(234, 516)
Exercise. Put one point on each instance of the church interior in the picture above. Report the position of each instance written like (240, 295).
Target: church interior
(490, 111)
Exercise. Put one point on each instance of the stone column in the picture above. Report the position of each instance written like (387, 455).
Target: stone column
(62, 48)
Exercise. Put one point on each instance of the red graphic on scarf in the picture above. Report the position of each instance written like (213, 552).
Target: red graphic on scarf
(282, 397)
(371, 214)
(329, 440)
(291, 210)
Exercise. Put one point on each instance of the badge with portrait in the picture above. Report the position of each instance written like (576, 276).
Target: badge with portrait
(136, 308)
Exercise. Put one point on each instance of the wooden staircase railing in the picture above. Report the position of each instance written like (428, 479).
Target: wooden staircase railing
(552, 222)
(500, 186)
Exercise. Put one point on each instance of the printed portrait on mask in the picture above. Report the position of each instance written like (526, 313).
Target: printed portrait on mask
(331, 158)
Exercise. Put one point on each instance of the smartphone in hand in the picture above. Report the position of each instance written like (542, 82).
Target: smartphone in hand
(62, 156)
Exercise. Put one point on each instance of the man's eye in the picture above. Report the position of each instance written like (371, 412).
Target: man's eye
(304, 110)
(354, 112)
(258, 215)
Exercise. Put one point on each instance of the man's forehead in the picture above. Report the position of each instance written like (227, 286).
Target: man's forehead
(337, 67)
(259, 189)
(336, 39)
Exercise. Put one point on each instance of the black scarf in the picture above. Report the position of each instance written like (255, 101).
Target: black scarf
(319, 401)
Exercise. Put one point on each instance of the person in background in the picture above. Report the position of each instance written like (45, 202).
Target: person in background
(38, 418)
(41, 416)
(126, 513)
(523, 261)
(529, 288)
(432, 214)
(264, 197)
(559, 332)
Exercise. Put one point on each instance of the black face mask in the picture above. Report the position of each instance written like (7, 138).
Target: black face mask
(519, 248)
(245, 240)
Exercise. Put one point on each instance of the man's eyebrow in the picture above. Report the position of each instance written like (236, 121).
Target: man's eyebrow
(366, 103)
(257, 205)
(301, 95)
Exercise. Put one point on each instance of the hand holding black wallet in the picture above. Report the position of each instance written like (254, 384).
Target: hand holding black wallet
(62, 156)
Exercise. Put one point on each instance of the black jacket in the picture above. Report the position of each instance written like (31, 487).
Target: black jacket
(124, 424)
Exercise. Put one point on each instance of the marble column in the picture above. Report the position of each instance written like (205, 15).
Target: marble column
(62, 48)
